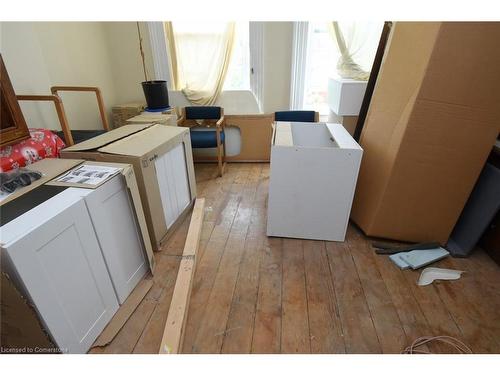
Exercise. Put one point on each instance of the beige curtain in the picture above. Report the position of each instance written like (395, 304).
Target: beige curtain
(357, 43)
(199, 56)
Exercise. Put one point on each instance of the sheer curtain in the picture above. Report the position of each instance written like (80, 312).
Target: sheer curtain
(357, 43)
(200, 53)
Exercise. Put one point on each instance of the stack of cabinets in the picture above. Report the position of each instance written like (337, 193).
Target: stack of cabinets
(173, 183)
(76, 257)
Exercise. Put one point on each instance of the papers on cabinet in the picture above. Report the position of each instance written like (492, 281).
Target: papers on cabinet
(91, 175)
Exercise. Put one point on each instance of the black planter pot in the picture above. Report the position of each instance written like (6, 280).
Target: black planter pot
(156, 94)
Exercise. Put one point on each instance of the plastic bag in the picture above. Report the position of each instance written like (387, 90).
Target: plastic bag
(12, 180)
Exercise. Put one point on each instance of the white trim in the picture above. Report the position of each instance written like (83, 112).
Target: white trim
(256, 44)
(299, 58)
(159, 52)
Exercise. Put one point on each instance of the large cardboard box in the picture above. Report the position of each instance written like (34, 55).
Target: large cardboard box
(432, 121)
(148, 147)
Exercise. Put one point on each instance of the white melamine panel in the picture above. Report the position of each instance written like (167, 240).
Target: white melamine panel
(167, 188)
(178, 158)
(345, 96)
(114, 221)
(62, 269)
(173, 182)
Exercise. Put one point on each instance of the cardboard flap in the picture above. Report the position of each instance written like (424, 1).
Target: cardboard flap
(50, 168)
(141, 143)
(108, 137)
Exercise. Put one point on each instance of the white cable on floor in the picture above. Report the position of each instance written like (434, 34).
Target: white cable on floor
(455, 343)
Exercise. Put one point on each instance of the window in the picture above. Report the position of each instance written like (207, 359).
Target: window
(322, 55)
(238, 75)
(200, 38)
(321, 62)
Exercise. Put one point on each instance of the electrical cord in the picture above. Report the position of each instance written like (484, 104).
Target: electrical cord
(455, 343)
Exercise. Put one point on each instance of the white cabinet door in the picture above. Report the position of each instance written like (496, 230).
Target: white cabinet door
(62, 269)
(114, 221)
(173, 182)
(182, 192)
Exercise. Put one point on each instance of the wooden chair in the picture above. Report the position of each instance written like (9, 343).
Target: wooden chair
(210, 117)
(61, 114)
(296, 116)
(82, 135)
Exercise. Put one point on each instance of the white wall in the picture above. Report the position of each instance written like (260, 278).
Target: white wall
(278, 39)
(40, 55)
(106, 54)
(123, 45)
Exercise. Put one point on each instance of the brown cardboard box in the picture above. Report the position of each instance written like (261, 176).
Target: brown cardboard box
(140, 145)
(21, 331)
(432, 121)
(146, 118)
(349, 123)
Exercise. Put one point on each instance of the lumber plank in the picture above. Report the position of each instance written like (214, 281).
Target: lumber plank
(176, 319)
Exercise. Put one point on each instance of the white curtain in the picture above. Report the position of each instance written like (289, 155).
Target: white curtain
(200, 53)
(357, 43)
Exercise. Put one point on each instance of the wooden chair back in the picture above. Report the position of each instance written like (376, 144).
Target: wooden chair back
(100, 103)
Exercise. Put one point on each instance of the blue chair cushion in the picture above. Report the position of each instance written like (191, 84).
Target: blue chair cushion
(205, 138)
(203, 113)
(295, 116)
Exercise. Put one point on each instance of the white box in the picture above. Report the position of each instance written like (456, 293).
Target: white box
(345, 96)
(314, 168)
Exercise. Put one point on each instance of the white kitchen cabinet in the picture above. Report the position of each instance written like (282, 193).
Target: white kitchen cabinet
(314, 168)
(345, 96)
(173, 183)
(52, 253)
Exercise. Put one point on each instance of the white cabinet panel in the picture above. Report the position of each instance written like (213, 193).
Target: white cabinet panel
(117, 232)
(173, 182)
(180, 176)
(62, 269)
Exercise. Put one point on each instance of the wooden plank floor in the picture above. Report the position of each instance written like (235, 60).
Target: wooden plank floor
(254, 294)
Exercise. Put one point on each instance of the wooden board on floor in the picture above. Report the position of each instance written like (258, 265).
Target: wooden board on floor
(173, 334)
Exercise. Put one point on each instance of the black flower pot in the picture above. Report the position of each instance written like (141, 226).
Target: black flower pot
(156, 93)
